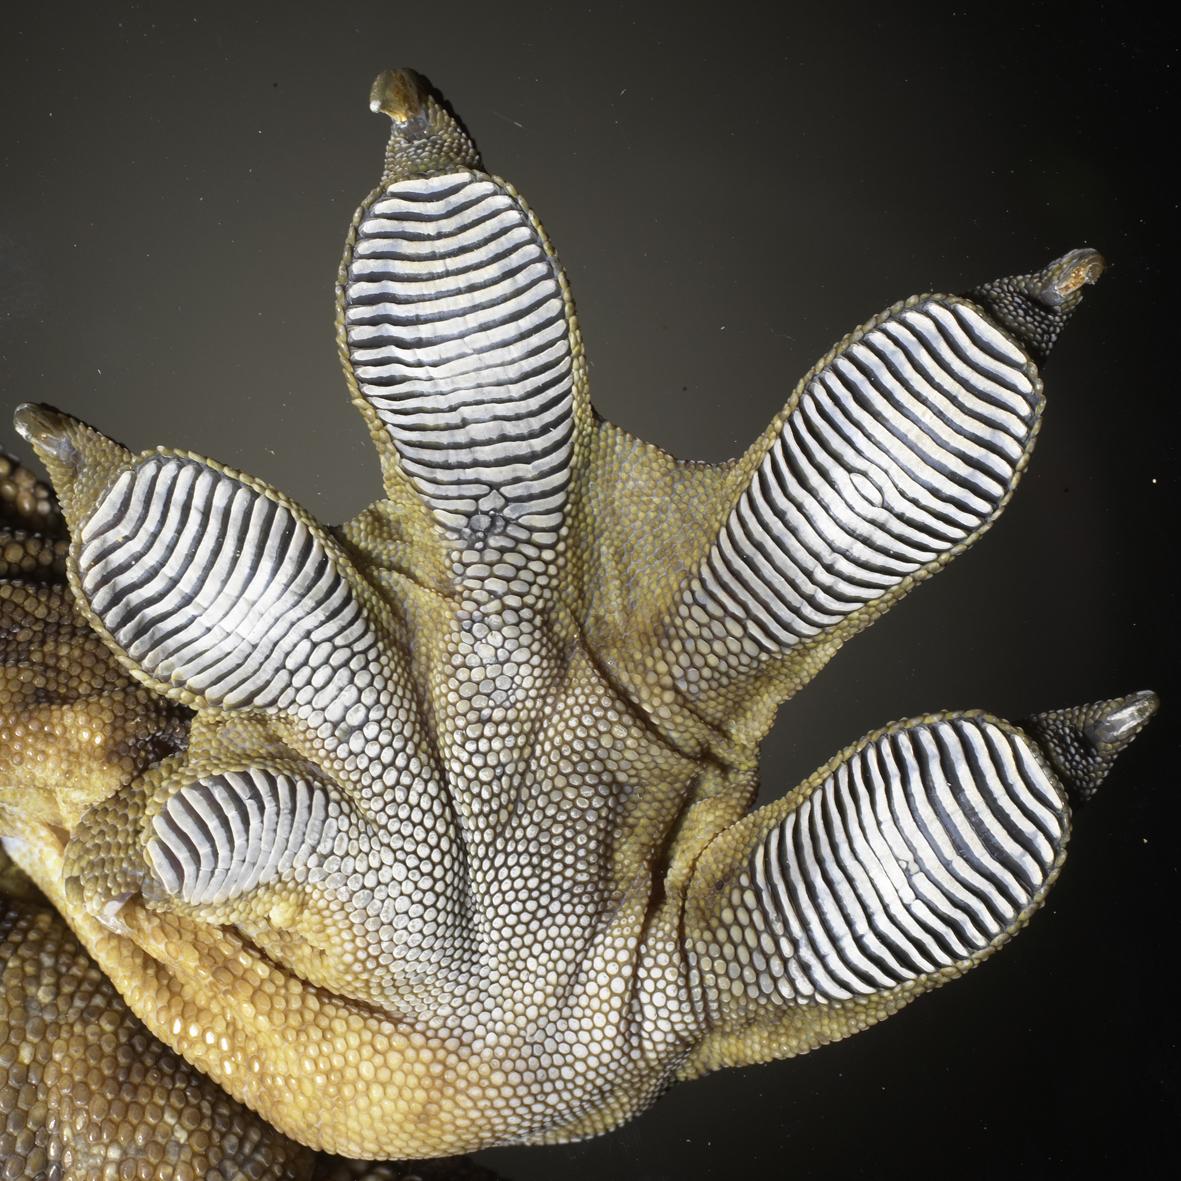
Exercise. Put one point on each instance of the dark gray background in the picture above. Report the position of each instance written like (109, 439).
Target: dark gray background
(730, 193)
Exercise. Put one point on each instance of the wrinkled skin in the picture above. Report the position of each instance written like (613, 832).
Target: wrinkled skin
(432, 832)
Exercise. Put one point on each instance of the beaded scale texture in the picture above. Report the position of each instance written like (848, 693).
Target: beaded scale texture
(432, 831)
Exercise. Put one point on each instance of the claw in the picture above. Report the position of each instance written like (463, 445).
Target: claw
(1036, 307)
(1083, 741)
(48, 432)
(1119, 724)
(110, 917)
(1066, 276)
(402, 95)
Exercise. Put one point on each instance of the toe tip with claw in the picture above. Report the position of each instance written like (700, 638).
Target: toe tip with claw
(78, 458)
(425, 135)
(1083, 741)
(1034, 308)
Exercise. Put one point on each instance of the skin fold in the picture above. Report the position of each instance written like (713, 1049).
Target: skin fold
(433, 831)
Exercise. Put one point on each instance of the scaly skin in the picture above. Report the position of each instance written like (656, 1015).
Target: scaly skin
(432, 832)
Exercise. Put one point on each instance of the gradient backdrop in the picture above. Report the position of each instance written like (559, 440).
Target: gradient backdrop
(730, 193)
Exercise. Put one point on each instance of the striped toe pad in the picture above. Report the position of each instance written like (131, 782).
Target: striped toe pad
(457, 336)
(914, 854)
(899, 449)
(225, 835)
(217, 588)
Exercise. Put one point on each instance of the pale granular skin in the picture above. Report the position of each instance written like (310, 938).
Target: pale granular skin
(430, 832)
(88, 1094)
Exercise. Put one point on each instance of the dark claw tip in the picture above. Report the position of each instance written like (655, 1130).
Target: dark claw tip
(48, 431)
(1120, 721)
(1066, 275)
(400, 94)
